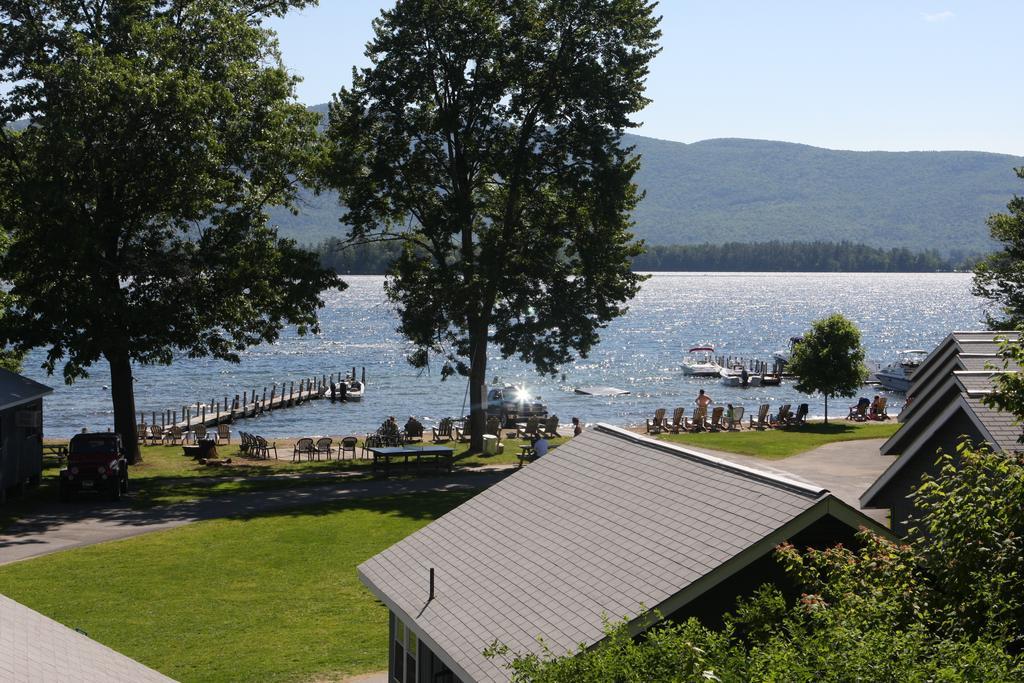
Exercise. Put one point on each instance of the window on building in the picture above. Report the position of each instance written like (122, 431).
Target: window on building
(404, 649)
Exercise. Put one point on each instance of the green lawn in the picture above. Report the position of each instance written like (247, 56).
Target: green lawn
(268, 598)
(773, 444)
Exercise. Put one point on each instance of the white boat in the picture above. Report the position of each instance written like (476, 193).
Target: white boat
(784, 356)
(700, 362)
(355, 390)
(897, 376)
(733, 377)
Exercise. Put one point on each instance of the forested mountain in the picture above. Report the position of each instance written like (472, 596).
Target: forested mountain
(735, 190)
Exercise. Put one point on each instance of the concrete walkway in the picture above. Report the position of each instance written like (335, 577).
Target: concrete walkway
(846, 468)
(59, 527)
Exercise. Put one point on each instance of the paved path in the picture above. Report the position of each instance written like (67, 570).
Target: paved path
(846, 468)
(59, 527)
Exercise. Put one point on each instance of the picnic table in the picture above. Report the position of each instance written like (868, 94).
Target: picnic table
(437, 455)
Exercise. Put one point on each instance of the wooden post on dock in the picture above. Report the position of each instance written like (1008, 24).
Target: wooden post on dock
(204, 416)
(188, 419)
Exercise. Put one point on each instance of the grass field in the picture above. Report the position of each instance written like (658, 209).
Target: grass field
(268, 598)
(774, 444)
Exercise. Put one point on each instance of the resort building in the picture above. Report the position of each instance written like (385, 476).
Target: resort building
(610, 525)
(21, 431)
(946, 405)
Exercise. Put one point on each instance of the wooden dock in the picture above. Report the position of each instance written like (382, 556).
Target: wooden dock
(249, 403)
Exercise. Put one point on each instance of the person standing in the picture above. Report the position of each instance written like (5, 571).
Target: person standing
(703, 400)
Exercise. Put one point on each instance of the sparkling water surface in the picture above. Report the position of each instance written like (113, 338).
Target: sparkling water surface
(748, 315)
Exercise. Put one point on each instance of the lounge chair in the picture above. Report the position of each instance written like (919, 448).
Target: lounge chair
(761, 421)
(550, 427)
(736, 423)
(465, 433)
(413, 430)
(443, 431)
(657, 425)
(302, 447)
(156, 434)
(223, 433)
(799, 418)
(172, 435)
(324, 445)
(859, 412)
(263, 447)
(530, 430)
(716, 419)
(698, 422)
(142, 431)
(780, 419)
(198, 433)
(677, 421)
(348, 445)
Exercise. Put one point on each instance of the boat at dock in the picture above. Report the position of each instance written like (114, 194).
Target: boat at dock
(733, 377)
(700, 362)
(898, 376)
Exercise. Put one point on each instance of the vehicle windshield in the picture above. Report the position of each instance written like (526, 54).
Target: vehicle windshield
(93, 446)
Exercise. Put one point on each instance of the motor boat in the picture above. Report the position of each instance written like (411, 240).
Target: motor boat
(897, 376)
(783, 356)
(700, 362)
(733, 377)
(512, 403)
(349, 388)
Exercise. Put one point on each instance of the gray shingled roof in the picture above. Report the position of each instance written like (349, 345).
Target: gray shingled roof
(975, 382)
(36, 648)
(16, 389)
(604, 524)
(999, 424)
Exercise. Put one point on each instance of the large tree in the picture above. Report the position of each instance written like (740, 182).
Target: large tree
(486, 135)
(1000, 276)
(829, 359)
(158, 131)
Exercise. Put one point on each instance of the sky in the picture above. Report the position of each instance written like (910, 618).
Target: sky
(867, 75)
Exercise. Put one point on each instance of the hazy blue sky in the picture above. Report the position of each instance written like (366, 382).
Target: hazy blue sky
(866, 75)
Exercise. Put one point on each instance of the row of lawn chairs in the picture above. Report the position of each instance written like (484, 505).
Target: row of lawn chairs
(722, 420)
(448, 429)
(174, 435)
(256, 446)
(323, 446)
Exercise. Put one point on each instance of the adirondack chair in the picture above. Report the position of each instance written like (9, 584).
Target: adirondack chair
(783, 415)
(223, 433)
(677, 421)
(859, 412)
(324, 445)
(799, 418)
(172, 435)
(550, 427)
(494, 426)
(443, 431)
(736, 423)
(529, 430)
(142, 431)
(198, 433)
(466, 432)
(716, 419)
(699, 420)
(761, 421)
(657, 425)
(413, 430)
(156, 434)
(303, 447)
(348, 445)
(880, 412)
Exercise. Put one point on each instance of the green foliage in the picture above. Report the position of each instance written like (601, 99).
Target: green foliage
(970, 541)
(9, 359)
(158, 133)
(1000, 277)
(487, 137)
(946, 606)
(829, 359)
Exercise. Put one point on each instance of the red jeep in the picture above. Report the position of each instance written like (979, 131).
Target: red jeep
(96, 462)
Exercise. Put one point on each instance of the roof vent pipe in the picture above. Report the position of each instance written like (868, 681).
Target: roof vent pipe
(431, 584)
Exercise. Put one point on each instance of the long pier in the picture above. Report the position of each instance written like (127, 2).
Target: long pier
(249, 403)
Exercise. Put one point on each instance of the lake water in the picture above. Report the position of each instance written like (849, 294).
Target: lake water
(741, 314)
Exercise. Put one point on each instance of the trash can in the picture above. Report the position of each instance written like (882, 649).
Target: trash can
(490, 444)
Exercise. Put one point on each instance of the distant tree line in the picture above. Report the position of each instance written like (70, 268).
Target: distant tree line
(376, 258)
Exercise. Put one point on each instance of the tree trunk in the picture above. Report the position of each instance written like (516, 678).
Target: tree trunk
(122, 394)
(477, 396)
(826, 408)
